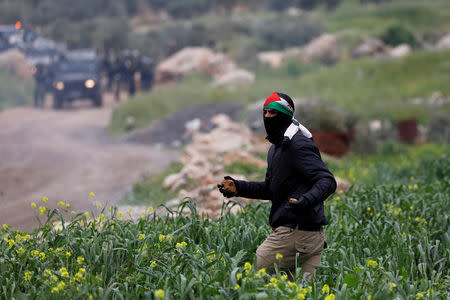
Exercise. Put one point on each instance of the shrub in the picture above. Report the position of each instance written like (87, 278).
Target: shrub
(397, 34)
(324, 115)
(439, 128)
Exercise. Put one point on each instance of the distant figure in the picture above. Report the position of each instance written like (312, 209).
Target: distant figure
(40, 75)
(108, 68)
(147, 73)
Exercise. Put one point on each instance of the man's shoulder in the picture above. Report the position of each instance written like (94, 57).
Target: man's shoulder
(300, 141)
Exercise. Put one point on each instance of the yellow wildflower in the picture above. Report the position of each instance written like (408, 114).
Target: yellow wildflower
(301, 296)
(27, 275)
(34, 253)
(169, 238)
(61, 285)
(42, 209)
(274, 280)
(330, 297)
(99, 206)
(237, 286)
(419, 296)
(325, 289)
(392, 286)
(247, 267)
(159, 294)
(54, 290)
(369, 297)
(33, 205)
(11, 243)
(141, 236)
(369, 208)
(67, 205)
(21, 250)
(181, 245)
(5, 226)
(279, 256)
(310, 289)
(42, 256)
(91, 194)
(45, 199)
(80, 260)
(284, 277)
(63, 272)
(162, 237)
(150, 208)
(372, 263)
(262, 272)
(86, 214)
(153, 264)
(61, 203)
(238, 276)
(73, 212)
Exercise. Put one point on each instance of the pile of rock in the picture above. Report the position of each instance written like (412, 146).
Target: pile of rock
(203, 60)
(206, 157)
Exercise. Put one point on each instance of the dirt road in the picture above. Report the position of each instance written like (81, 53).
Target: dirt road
(65, 155)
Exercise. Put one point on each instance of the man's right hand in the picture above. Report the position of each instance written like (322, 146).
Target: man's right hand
(228, 187)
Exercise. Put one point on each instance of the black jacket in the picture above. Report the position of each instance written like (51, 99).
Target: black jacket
(295, 170)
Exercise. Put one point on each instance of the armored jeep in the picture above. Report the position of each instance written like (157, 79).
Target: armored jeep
(75, 78)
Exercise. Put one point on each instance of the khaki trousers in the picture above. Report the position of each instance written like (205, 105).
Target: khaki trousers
(288, 242)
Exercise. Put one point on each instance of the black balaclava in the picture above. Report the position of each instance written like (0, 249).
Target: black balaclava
(276, 126)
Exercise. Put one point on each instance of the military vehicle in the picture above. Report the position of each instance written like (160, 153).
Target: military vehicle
(77, 76)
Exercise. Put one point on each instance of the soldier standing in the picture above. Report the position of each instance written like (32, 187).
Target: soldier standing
(147, 73)
(40, 77)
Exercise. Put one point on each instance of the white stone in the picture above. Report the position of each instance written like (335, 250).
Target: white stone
(401, 51)
(444, 43)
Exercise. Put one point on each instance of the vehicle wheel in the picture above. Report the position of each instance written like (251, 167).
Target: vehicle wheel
(58, 102)
(97, 100)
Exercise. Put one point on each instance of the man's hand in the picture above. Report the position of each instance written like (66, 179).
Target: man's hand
(228, 187)
(296, 203)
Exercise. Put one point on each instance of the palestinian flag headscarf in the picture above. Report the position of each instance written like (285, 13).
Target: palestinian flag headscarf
(277, 125)
(280, 102)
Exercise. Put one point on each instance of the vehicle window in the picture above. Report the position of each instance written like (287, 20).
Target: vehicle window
(76, 67)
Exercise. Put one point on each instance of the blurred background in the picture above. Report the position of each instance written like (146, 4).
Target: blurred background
(369, 77)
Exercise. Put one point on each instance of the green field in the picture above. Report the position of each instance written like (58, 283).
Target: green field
(420, 16)
(369, 88)
(388, 238)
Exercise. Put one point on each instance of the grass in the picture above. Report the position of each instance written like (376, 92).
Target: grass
(381, 89)
(369, 88)
(386, 240)
(420, 16)
(151, 188)
(13, 91)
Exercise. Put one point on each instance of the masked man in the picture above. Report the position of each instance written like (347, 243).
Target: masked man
(297, 182)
